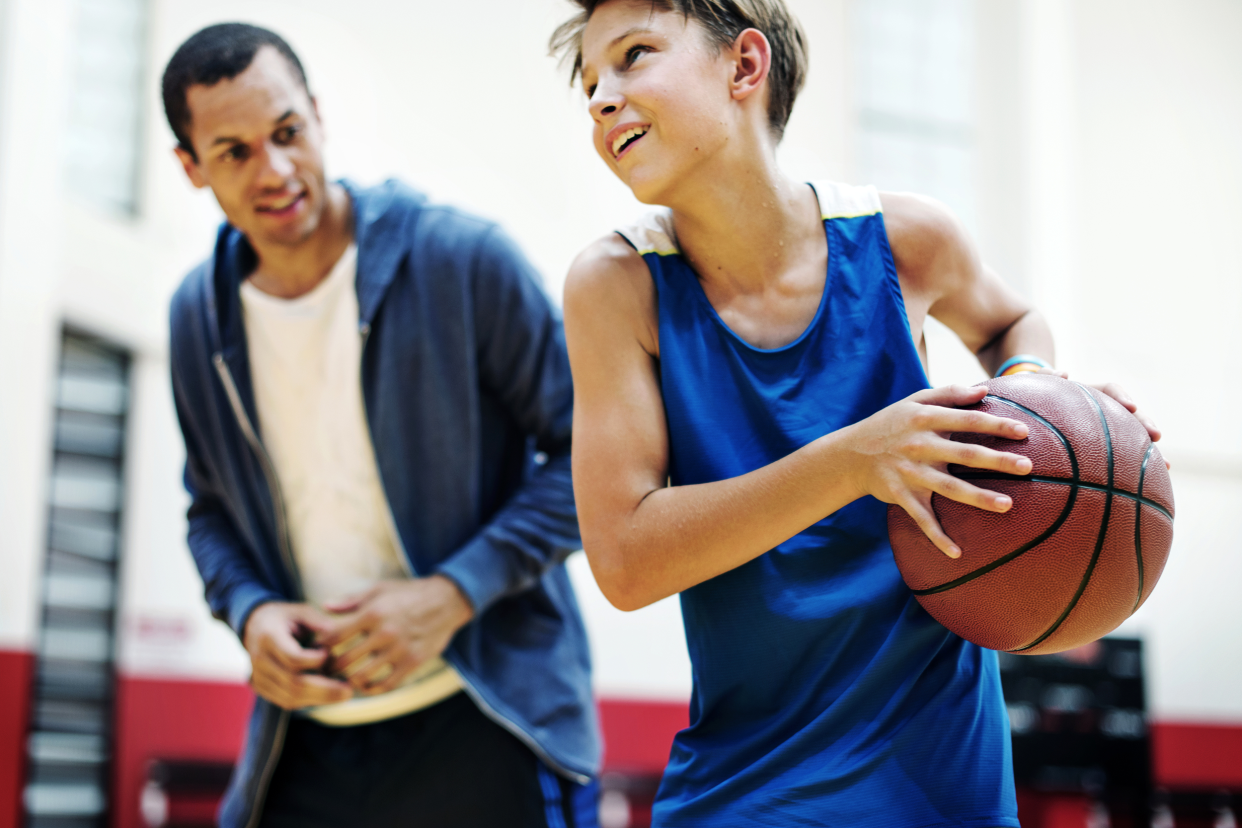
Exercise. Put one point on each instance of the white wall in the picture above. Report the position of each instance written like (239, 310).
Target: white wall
(32, 64)
(1159, 168)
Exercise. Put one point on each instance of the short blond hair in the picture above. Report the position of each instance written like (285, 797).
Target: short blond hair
(724, 20)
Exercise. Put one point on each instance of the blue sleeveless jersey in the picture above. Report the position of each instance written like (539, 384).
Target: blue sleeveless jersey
(823, 693)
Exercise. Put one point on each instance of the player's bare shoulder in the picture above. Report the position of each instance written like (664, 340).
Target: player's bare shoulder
(609, 293)
(932, 251)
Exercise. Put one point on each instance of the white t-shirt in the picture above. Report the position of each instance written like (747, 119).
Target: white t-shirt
(305, 365)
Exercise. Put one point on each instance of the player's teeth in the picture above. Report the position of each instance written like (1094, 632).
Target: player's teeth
(627, 135)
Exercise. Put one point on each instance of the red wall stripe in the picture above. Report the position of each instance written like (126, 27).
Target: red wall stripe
(172, 719)
(638, 734)
(16, 677)
(1197, 755)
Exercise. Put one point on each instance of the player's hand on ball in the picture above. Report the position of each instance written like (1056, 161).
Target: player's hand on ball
(904, 452)
(385, 633)
(283, 670)
(1119, 394)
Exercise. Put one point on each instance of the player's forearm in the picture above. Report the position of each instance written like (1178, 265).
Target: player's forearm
(680, 536)
(1030, 334)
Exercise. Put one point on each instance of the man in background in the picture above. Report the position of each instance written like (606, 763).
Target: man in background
(376, 405)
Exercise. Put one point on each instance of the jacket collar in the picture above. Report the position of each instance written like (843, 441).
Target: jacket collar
(384, 218)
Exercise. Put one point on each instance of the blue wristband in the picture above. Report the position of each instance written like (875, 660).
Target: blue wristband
(1014, 360)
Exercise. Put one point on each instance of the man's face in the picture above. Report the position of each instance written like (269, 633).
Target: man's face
(659, 94)
(259, 144)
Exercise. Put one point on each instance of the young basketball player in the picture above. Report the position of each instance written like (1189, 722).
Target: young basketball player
(759, 346)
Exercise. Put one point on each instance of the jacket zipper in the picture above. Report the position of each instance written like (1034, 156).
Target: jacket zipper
(365, 330)
(286, 555)
(269, 470)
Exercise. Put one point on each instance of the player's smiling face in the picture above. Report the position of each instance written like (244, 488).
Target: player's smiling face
(659, 94)
(259, 146)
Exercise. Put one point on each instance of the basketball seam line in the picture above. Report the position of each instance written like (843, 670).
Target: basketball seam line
(1061, 481)
(1047, 533)
(1099, 541)
(1138, 526)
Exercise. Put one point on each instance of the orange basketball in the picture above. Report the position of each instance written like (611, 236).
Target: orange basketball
(1081, 548)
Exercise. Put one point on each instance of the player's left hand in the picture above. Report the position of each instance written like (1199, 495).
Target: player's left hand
(1119, 394)
(391, 629)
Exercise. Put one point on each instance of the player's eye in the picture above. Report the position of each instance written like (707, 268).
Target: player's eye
(285, 135)
(237, 152)
(632, 53)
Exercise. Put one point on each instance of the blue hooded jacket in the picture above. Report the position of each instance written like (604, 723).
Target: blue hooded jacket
(469, 400)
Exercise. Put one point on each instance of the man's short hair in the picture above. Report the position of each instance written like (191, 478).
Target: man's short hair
(216, 53)
(724, 20)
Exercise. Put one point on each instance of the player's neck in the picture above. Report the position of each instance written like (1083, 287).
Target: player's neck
(290, 271)
(744, 223)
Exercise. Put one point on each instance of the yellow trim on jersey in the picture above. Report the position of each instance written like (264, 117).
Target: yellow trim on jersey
(827, 217)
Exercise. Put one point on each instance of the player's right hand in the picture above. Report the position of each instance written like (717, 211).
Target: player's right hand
(902, 455)
(283, 671)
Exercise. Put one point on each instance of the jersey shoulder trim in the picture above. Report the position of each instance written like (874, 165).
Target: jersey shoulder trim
(653, 233)
(838, 201)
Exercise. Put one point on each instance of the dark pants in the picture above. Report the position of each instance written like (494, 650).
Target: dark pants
(447, 766)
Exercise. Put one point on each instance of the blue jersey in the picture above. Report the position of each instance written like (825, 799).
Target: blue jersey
(823, 693)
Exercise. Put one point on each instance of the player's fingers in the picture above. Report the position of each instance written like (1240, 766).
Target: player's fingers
(979, 457)
(951, 419)
(1153, 430)
(1119, 394)
(954, 488)
(950, 396)
(1054, 372)
(920, 511)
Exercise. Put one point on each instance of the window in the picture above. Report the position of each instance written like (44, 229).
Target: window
(104, 127)
(69, 746)
(914, 70)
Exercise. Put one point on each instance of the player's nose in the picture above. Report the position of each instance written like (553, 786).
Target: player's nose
(605, 102)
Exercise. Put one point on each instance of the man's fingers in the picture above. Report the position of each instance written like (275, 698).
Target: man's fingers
(350, 603)
(376, 671)
(359, 650)
(285, 650)
(310, 689)
(401, 668)
(346, 628)
(920, 511)
(293, 691)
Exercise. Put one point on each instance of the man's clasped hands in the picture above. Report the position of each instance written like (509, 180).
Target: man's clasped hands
(363, 644)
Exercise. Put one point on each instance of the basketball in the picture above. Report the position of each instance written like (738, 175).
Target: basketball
(1083, 544)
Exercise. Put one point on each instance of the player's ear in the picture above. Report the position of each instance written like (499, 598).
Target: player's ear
(190, 164)
(752, 58)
